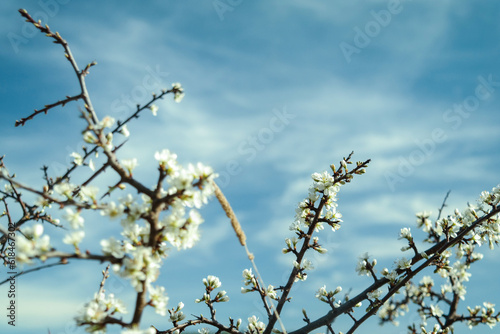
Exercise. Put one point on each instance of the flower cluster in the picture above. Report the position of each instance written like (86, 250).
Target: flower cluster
(158, 299)
(176, 314)
(451, 225)
(255, 326)
(178, 92)
(33, 244)
(483, 315)
(189, 187)
(251, 280)
(211, 283)
(366, 267)
(324, 187)
(97, 310)
(318, 209)
(455, 272)
(329, 296)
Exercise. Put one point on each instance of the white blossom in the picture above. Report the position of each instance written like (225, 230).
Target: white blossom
(124, 130)
(212, 282)
(271, 292)
(91, 165)
(178, 92)
(403, 263)
(249, 278)
(32, 244)
(87, 192)
(106, 122)
(405, 233)
(89, 137)
(95, 311)
(141, 267)
(113, 247)
(74, 218)
(255, 325)
(176, 314)
(112, 210)
(78, 159)
(154, 109)
(158, 299)
(424, 221)
(436, 311)
(65, 189)
(374, 294)
(129, 164)
(74, 238)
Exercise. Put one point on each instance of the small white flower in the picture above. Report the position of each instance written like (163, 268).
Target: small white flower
(37, 231)
(74, 238)
(108, 145)
(178, 97)
(8, 189)
(363, 266)
(107, 122)
(154, 109)
(374, 294)
(436, 311)
(42, 202)
(78, 159)
(255, 325)
(168, 160)
(89, 137)
(391, 276)
(112, 210)
(403, 263)
(113, 247)
(129, 164)
(271, 292)
(176, 315)
(74, 218)
(222, 297)
(178, 92)
(88, 192)
(91, 165)
(249, 277)
(427, 280)
(405, 233)
(307, 264)
(124, 130)
(212, 281)
(321, 292)
(65, 189)
(158, 299)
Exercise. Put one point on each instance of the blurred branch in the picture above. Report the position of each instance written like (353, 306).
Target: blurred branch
(32, 270)
(61, 103)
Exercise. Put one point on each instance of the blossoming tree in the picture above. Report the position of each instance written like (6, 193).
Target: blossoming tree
(154, 218)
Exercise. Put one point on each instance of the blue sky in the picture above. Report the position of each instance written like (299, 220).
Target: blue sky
(400, 83)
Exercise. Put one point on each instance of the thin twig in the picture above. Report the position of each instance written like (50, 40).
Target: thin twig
(443, 205)
(32, 270)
